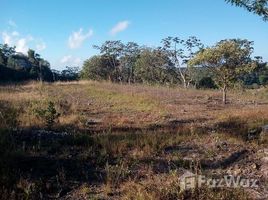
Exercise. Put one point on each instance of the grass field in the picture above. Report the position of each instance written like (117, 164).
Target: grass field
(98, 140)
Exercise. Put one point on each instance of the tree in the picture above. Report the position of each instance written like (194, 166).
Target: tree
(70, 74)
(31, 56)
(7, 50)
(40, 66)
(112, 51)
(45, 73)
(228, 60)
(55, 75)
(180, 52)
(259, 7)
(98, 68)
(263, 75)
(130, 54)
(36, 63)
(152, 66)
(121, 58)
(18, 67)
(2, 58)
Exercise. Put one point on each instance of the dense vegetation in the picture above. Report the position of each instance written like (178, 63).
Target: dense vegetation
(131, 63)
(172, 63)
(16, 67)
(185, 62)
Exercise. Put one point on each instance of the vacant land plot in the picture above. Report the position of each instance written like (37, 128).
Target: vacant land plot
(93, 140)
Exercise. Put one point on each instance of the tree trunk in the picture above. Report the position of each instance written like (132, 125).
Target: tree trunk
(224, 91)
(40, 75)
(184, 84)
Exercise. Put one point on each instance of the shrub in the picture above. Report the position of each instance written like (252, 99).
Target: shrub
(116, 174)
(263, 79)
(49, 114)
(206, 83)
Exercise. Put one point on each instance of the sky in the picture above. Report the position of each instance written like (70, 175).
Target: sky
(64, 31)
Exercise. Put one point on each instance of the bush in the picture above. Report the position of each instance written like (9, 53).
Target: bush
(206, 83)
(49, 115)
(263, 79)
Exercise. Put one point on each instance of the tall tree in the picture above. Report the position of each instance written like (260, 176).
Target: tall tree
(180, 52)
(70, 74)
(152, 66)
(259, 7)
(228, 60)
(112, 51)
(130, 54)
(6, 52)
(97, 68)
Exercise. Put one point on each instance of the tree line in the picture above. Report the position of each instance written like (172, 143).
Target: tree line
(16, 67)
(179, 61)
(187, 62)
(172, 62)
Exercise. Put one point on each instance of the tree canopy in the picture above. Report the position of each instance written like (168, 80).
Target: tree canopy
(16, 67)
(259, 7)
(228, 60)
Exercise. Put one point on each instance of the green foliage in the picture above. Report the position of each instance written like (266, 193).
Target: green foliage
(115, 174)
(113, 51)
(121, 59)
(179, 52)
(263, 75)
(263, 79)
(206, 83)
(175, 62)
(228, 60)
(119, 62)
(97, 68)
(19, 67)
(152, 67)
(69, 74)
(48, 114)
(259, 7)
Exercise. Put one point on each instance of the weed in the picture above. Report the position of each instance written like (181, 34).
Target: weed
(116, 174)
(48, 114)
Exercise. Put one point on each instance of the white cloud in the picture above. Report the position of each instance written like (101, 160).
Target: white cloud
(21, 45)
(15, 33)
(41, 46)
(77, 38)
(12, 23)
(119, 27)
(70, 60)
(7, 38)
(66, 59)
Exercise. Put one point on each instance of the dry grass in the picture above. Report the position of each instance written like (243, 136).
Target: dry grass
(115, 105)
(128, 141)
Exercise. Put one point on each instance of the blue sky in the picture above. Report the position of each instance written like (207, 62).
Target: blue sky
(63, 31)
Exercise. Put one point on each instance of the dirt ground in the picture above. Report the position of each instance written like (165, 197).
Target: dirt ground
(115, 141)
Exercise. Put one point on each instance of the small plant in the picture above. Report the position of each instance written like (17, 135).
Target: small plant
(49, 115)
(116, 174)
